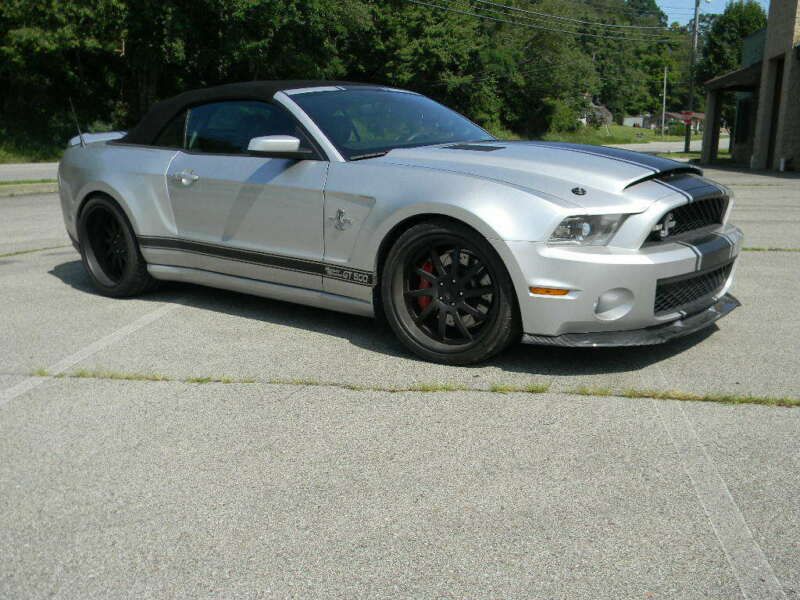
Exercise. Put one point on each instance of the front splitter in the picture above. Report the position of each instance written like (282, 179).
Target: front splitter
(648, 336)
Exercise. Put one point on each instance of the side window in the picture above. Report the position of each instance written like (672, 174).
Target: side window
(172, 136)
(228, 127)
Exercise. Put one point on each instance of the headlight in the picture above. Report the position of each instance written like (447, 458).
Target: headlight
(586, 230)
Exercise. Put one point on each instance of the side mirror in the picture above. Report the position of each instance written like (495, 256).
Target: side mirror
(278, 146)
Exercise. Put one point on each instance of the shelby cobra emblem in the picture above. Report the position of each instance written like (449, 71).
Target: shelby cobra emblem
(381, 202)
(665, 225)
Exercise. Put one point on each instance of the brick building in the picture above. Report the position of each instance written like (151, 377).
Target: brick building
(766, 134)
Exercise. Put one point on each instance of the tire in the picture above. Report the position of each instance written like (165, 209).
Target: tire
(440, 315)
(109, 250)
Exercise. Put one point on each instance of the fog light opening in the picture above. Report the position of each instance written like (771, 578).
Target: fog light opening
(613, 304)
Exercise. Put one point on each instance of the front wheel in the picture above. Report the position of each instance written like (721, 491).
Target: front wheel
(447, 294)
(109, 250)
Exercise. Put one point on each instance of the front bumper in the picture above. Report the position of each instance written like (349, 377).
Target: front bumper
(614, 290)
(640, 337)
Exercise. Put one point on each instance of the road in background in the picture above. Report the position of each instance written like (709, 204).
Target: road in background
(28, 171)
(667, 147)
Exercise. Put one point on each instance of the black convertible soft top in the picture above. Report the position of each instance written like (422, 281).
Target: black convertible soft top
(161, 113)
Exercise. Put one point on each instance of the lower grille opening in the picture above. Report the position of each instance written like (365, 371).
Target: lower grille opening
(677, 293)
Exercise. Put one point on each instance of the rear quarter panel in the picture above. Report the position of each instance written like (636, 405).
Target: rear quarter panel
(133, 175)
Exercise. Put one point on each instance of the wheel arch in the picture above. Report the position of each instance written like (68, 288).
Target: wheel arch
(105, 191)
(399, 228)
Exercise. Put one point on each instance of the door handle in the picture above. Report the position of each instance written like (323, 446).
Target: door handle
(186, 177)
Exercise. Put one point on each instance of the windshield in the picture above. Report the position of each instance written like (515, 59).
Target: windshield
(370, 122)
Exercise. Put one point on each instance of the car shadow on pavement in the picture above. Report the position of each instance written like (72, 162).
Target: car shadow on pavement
(363, 332)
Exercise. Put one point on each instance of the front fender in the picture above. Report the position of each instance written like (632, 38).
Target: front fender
(394, 194)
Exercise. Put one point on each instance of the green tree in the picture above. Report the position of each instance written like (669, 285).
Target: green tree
(723, 39)
(51, 51)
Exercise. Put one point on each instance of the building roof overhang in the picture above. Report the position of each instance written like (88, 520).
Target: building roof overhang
(741, 80)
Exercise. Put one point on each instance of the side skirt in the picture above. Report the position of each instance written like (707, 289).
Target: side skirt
(265, 289)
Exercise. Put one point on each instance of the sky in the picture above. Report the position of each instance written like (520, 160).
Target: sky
(683, 10)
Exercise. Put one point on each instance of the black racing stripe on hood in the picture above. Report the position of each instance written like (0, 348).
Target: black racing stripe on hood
(590, 151)
(694, 188)
(646, 161)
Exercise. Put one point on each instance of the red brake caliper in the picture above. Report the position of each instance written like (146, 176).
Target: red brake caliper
(424, 301)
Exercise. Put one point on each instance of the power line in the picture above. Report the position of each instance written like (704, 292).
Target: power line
(616, 34)
(496, 19)
(560, 18)
(598, 5)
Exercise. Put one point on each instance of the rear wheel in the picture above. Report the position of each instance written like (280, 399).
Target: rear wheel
(109, 250)
(447, 294)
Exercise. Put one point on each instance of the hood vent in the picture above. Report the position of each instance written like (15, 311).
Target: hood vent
(475, 147)
(667, 174)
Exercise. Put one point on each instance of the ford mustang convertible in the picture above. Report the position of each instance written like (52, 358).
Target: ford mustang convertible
(380, 202)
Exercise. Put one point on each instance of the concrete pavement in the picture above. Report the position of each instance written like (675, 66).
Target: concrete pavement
(143, 488)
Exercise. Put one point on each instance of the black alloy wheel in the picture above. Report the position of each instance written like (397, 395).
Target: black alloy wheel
(109, 250)
(447, 294)
(108, 243)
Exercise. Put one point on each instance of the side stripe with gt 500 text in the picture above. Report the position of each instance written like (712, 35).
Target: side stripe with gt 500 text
(312, 267)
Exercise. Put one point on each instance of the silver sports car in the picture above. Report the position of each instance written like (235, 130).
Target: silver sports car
(381, 202)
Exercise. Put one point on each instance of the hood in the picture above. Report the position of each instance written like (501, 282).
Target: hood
(550, 168)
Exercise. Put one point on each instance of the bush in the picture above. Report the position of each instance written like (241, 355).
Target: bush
(563, 116)
(676, 129)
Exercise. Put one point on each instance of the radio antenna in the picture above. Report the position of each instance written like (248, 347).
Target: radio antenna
(77, 124)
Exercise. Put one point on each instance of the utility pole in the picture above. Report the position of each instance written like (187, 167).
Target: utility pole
(687, 140)
(664, 105)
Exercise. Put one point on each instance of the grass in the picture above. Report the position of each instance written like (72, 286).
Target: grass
(532, 388)
(688, 396)
(225, 380)
(719, 398)
(13, 152)
(18, 252)
(494, 388)
(769, 249)
(613, 134)
(115, 375)
(585, 390)
(27, 182)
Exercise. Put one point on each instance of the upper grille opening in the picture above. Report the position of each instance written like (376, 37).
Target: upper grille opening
(683, 219)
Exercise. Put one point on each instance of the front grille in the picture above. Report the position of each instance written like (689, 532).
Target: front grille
(699, 214)
(676, 293)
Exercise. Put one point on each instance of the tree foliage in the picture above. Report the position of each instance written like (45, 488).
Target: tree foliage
(724, 37)
(722, 42)
(516, 72)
